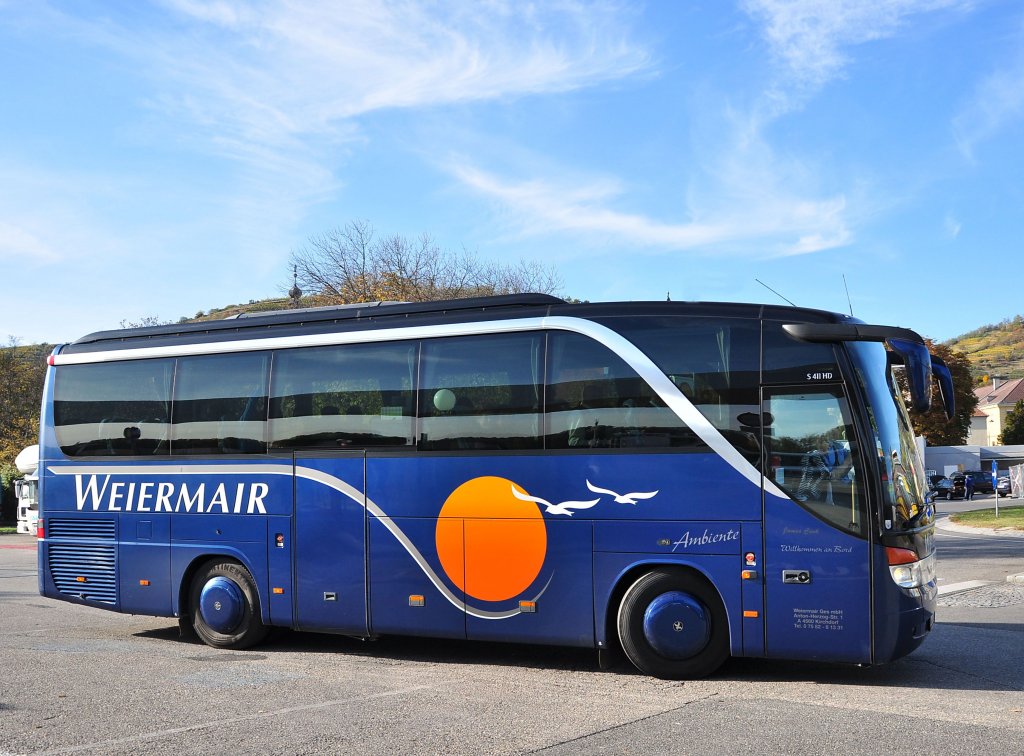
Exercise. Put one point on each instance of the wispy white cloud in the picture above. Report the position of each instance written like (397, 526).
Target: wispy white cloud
(49, 217)
(811, 38)
(279, 74)
(748, 189)
(543, 207)
(23, 246)
(281, 89)
(773, 224)
(997, 101)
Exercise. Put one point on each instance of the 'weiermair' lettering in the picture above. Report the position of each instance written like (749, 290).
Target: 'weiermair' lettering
(101, 494)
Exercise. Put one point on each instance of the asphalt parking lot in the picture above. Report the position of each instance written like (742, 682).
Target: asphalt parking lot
(80, 680)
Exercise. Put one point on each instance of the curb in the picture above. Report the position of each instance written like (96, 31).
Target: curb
(945, 524)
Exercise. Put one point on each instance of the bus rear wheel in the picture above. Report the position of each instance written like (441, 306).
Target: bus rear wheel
(672, 625)
(226, 606)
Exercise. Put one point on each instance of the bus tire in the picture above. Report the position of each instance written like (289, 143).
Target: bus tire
(226, 606)
(672, 625)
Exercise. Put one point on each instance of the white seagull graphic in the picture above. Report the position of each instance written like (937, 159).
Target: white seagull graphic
(628, 498)
(565, 508)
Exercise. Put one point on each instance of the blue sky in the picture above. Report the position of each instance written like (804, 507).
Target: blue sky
(157, 159)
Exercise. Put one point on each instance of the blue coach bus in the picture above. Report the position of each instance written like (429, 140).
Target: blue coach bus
(681, 481)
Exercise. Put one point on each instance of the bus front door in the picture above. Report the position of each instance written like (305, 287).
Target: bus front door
(330, 542)
(817, 550)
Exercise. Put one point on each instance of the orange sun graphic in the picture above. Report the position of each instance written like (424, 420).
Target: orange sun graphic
(491, 544)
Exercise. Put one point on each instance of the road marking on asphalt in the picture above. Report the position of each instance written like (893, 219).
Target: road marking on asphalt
(959, 535)
(964, 586)
(103, 744)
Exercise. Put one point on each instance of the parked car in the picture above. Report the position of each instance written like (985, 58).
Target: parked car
(950, 488)
(982, 481)
(933, 479)
(1003, 486)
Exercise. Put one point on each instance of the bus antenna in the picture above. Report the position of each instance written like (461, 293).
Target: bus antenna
(850, 303)
(772, 290)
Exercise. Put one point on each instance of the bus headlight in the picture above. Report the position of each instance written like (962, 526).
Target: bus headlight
(907, 575)
(907, 570)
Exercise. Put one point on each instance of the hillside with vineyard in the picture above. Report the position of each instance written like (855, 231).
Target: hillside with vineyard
(994, 349)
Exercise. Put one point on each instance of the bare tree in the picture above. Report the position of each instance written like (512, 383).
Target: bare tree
(144, 322)
(351, 264)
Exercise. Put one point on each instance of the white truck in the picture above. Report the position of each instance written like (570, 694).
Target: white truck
(27, 489)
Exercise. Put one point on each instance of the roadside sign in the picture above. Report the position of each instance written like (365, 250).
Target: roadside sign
(995, 485)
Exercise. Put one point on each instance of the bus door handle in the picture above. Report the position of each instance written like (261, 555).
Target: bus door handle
(796, 576)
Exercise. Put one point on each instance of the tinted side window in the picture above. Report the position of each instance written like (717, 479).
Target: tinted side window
(116, 408)
(343, 397)
(788, 360)
(220, 404)
(715, 362)
(481, 392)
(596, 401)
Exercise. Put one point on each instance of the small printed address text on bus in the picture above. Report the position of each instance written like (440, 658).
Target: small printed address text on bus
(818, 619)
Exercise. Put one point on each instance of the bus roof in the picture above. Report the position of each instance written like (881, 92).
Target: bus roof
(399, 314)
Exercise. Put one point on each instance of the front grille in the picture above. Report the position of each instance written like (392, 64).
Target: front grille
(86, 566)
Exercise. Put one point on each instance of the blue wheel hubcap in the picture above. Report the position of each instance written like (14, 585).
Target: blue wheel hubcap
(677, 625)
(222, 604)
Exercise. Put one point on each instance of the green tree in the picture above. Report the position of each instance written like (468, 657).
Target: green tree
(22, 370)
(352, 264)
(1013, 427)
(933, 424)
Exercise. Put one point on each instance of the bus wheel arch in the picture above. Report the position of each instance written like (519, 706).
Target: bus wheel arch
(670, 622)
(224, 604)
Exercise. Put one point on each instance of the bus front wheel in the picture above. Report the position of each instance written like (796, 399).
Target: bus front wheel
(672, 625)
(225, 606)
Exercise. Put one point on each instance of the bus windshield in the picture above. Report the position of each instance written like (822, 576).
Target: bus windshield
(900, 463)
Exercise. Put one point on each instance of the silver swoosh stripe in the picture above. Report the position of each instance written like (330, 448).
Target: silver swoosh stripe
(317, 476)
(634, 357)
(354, 494)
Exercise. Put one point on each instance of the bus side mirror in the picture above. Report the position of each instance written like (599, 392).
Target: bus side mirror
(945, 379)
(906, 348)
(919, 371)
